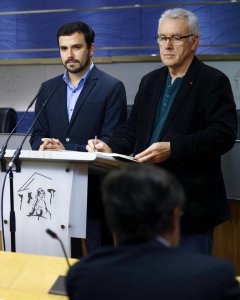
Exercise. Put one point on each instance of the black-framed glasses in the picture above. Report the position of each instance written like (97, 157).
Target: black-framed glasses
(174, 39)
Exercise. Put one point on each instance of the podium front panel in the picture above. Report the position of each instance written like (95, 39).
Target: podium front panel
(51, 192)
(47, 194)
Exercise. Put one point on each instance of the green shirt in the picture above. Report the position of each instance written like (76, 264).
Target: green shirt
(164, 106)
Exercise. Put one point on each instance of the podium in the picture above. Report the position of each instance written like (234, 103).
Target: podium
(50, 192)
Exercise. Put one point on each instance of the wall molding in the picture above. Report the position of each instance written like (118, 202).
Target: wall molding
(115, 59)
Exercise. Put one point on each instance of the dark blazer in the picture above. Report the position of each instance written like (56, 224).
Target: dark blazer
(201, 126)
(100, 109)
(151, 271)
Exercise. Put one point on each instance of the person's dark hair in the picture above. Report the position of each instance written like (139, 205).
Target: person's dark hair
(70, 28)
(139, 201)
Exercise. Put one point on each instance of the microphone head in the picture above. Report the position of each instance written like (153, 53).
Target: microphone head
(51, 233)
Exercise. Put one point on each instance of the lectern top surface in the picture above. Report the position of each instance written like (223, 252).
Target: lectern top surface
(54, 155)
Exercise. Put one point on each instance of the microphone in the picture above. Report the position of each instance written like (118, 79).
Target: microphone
(4, 147)
(59, 286)
(15, 158)
(54, 236)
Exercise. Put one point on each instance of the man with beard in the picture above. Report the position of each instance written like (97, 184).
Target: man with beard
(87, 102)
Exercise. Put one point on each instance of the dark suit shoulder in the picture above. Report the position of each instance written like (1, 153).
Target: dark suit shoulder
(155, 73)
(204, 260)
(96, 72)
(54, 81)
(150, 269)
(208, 71)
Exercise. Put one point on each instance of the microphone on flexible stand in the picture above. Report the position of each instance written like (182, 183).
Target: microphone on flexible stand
(15, 158)
(59, 286)
(4, 147)
(54, 236)
(3, 169)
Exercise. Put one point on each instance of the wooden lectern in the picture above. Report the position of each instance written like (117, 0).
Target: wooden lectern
(50, 192)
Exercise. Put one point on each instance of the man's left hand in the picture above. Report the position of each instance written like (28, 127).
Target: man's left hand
(156, 153)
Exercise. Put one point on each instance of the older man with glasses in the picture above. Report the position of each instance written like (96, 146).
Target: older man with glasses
(183, 119)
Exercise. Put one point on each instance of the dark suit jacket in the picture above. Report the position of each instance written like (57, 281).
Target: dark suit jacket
(201, 126)
(100, 109)
(150, 271)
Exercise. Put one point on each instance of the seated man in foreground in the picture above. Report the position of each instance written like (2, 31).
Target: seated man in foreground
(143, 205)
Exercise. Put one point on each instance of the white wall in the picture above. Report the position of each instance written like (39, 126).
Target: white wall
(20, 83)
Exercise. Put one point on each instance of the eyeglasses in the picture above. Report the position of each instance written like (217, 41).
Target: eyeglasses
(175, 39)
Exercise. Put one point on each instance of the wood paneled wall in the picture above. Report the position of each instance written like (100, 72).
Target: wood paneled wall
(227, 237)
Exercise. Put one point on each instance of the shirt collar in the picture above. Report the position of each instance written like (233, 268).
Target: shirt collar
(170, 80)
(83, 79)
(163, 241)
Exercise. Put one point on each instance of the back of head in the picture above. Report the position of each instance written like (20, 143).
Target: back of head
(177, 13)
(139, 202)
(70, 28)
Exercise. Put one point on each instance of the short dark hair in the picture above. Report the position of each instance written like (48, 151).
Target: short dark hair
(139, 201)
(70, 28)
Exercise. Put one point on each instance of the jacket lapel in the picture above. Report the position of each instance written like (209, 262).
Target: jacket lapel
(62, 103)
(88, 86)
(152, 102)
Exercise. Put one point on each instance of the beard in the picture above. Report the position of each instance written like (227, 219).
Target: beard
(81, 66)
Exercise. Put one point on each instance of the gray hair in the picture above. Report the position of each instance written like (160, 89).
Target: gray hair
(178, 13)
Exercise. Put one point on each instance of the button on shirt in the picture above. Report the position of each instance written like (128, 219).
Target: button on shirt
(164, 106)
(72, 92)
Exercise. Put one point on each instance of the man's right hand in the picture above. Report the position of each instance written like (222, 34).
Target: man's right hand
(97, 146)
(51, 144)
